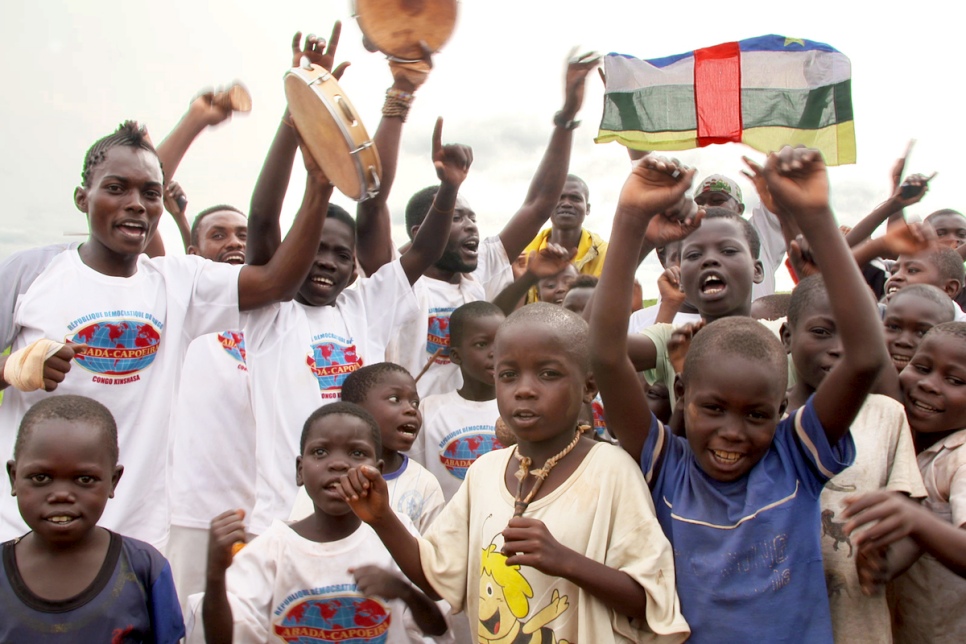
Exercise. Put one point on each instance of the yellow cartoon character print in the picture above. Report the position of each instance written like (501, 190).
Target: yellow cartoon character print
(505, 600)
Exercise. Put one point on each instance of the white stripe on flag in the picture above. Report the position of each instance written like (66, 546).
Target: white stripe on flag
(630, 74)
(792, 69)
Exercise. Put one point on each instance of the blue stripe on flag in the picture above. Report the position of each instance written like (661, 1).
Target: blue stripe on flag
(775, 42)
(669, 60)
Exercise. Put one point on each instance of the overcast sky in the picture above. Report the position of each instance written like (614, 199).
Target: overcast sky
(73, 69)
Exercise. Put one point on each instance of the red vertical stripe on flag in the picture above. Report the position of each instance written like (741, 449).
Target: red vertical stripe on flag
(717, 93)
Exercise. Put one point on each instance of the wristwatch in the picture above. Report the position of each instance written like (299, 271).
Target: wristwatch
(558, 120)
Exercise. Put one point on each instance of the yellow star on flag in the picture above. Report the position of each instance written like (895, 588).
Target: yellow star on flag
(789, 41)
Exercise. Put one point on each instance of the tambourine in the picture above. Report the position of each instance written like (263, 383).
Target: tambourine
(333, 132)
(395, 27)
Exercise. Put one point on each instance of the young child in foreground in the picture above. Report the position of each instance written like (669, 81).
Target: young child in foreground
(739, 496)
(930, 599)
(68, 580)
(584, 559)
(326, 576)
(884, 459)
(460, 426)
(388, 392)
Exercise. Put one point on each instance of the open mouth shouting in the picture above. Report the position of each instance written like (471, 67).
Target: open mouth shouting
(470, 248)
(712, 285)
(133, 229)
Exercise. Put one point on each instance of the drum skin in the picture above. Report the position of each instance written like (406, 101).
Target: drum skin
(331, 129)
(395, 27)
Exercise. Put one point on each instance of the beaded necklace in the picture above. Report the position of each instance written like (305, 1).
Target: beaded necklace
(520, 504)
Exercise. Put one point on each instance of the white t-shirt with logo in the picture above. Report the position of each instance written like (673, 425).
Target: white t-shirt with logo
(213, 461)
(455, 433)
(283, 587)
(137, 330)
(299, 357)
(418, 340)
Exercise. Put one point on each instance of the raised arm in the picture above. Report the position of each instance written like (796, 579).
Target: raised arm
(374, 246)
(452, 163)
(548, 182)
(226, 530)
(798, 180)
(653, 187)
(264, 232)
(284, 273)
(546, 262)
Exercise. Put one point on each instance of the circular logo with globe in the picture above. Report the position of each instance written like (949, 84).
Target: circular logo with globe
(462, 451)
(117, 347)
(342, 618)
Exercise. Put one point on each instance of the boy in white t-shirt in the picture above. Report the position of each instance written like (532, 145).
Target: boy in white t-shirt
(388, 392)
(301, 352)
(127, 319)
(326, 577)
(460, 426)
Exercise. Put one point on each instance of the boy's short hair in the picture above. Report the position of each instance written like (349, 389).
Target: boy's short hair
(196, 224)
(355, 388)
(736, 336)
(467, 312)
(339, 213)
(806, 293)
(418, 207)
(347, 409)
(942, 212)
(571, 327)
(71, 408)
(128, 133)
(947, 261)
(751, 235)
(585, 281)
(771, 307)
(956, 329)
(931, 293)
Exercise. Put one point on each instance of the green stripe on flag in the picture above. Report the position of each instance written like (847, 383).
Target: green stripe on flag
(801, 109)
(667, 108)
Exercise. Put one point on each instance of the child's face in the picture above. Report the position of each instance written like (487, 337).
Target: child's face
(951, 229)
(814, 343)
(553, 289)
(335, 444)
(62, 479)
(717, 269)
(907, 319)
(334, 265)
(474, 352)
(658, 400)
(934, 385)
(730, 415)
(394, 403)
(539, 385)
(913, 269)
(125, 200)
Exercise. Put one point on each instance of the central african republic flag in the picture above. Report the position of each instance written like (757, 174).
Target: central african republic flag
(765, 92)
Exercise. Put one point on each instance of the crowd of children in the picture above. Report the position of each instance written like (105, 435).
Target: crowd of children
(334, 440)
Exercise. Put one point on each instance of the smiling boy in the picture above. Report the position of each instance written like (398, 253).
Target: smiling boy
(136, 317)
(68, 580)
(739, 496)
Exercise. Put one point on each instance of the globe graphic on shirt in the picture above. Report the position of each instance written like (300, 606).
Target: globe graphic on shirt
(117, 347)
(350, 619)
(462, 451)
(331, 363)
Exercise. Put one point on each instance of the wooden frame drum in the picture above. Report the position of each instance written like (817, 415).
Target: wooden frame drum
(333, 132)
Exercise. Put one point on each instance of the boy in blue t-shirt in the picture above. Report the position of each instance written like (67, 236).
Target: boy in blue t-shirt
(739, 496)
(68, 580)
